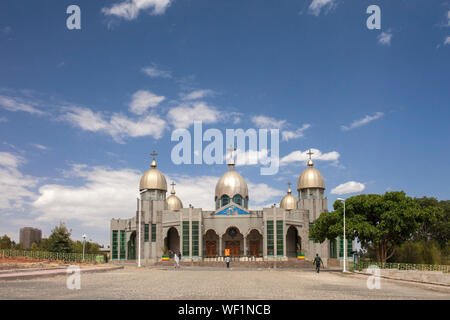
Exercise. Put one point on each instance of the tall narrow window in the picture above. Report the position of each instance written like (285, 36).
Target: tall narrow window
(237, 199)
(122, 244)
(146, 232)
(333, 248)
(115, 243)
(280, 238)
(195, 238)
(349, 247)
(185, 238)
(153, 232)
(225, 200)
(270, 243)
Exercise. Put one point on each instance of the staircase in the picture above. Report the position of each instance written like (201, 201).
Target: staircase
(290, 263)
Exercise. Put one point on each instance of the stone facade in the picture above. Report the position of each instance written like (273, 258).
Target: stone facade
(269, 234)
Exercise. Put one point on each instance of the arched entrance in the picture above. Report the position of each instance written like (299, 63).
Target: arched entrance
(173, 240)
(234, 241)
(254, 243)
(211, 243)
(132, 246)
(293, 242)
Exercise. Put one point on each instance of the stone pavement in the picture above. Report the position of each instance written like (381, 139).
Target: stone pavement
(215, 283)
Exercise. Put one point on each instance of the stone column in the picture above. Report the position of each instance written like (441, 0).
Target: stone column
(200, 236)
(284, 234)
(190, 233)
(220, 245)
(264, 231)
(245, 246)
(274, 232)
(181, 232)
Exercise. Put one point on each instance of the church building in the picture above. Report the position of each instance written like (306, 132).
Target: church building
(274, 233)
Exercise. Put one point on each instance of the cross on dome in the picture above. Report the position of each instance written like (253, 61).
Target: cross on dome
(153, 154)
(231, 159)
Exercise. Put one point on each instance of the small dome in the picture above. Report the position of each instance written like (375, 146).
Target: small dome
(173, 202)
(231, 183)
(310, 178)
(289, 202)
(153, 179)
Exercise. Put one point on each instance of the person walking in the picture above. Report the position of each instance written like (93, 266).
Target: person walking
(177, 260)
(317, 261)
(227, 260)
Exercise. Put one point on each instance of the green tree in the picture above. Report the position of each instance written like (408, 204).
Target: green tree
(5, 242)
(59, 240)
(34, 247)
(381, 221)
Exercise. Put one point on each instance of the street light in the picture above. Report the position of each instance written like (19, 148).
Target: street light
(84, 241)
(345, 242)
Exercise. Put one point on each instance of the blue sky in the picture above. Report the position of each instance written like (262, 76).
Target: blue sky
(81, 110)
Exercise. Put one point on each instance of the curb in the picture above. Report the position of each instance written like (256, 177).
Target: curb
(36, 274)
(405, 280)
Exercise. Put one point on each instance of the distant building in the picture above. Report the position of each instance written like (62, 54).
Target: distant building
(28, 235)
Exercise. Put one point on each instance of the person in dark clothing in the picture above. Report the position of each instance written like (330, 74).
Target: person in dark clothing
(317, 261)
(227, 260)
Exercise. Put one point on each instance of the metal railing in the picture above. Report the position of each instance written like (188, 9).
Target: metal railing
(59, 256)
(401, 266)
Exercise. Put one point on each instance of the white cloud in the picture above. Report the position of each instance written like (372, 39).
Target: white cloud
(385, 38)
(265, 122)
(129, 9)
(447, 40)
(16, 104)
(316, 6)
(198, 94)
(302, 156)
(154, 72)
(363, 121)
(142, 100)
(39, 146)
(106, 193)
(118, 126)
(14, 186)
(348, 187)
(287, 135)
(184, 115)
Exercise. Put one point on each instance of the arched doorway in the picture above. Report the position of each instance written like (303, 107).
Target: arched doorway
(293, 242)
(211, 243)
(132, 246)
(254, 243)
(234, 241)
(173, 240)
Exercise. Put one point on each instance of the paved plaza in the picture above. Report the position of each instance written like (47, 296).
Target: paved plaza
(215, 283)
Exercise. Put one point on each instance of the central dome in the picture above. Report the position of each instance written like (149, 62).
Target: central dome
(153, 179)
(230, 184)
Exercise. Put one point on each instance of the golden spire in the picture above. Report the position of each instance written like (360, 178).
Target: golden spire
(173, 184)
(289, 189)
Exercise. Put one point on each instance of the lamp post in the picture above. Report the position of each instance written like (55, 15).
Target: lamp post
(139, 233)
(84, 242)
(345, 242)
